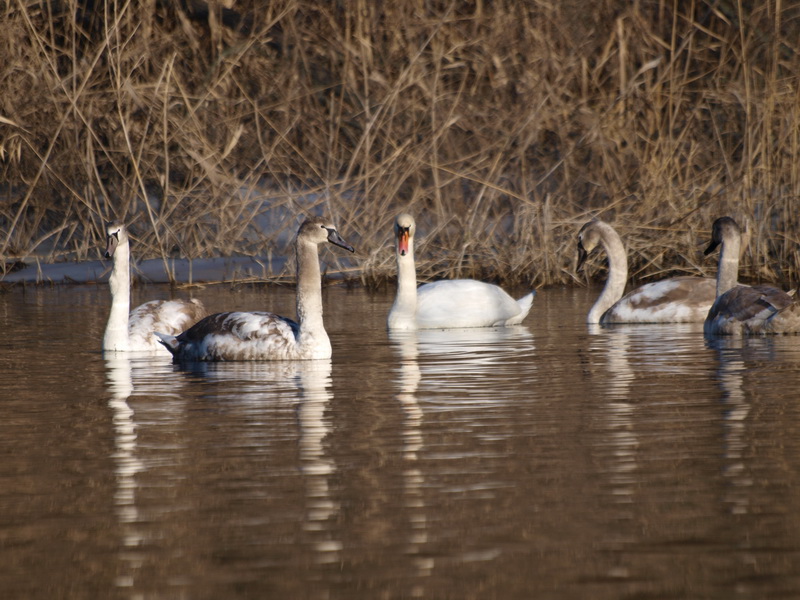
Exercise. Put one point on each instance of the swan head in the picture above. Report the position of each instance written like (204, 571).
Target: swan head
(588, 238)
(318, 230)
(404, 228)
(116, 234)
(723, 229)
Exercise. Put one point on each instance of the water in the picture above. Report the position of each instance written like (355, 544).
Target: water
(551, 460)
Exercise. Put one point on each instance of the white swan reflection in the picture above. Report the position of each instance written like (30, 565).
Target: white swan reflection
(472, 367)
(470, 343)
(409, 376)
(128, 464)
(467, 366)
(120, 380)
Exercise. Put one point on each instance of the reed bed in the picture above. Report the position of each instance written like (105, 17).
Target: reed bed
(502, 126)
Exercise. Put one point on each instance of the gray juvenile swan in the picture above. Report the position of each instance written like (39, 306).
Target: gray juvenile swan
(741, 309)
(264, 335)
(446, 304)
(673, 300)
(134, 332)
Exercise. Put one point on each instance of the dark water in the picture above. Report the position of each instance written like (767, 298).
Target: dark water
(542, 461)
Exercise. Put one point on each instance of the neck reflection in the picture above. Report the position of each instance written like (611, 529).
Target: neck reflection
(315, 464)
(409, 376)
(120, 383)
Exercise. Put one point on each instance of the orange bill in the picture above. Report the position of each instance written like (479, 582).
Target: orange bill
(402, 242)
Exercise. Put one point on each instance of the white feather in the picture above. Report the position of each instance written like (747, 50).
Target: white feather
(134, 332)
(446, 304)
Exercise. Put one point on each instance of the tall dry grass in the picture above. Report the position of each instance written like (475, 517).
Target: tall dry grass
(502, 126)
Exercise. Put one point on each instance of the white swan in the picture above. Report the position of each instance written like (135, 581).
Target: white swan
(134, 332)
(263, 335)
(673, 300)
(446, 304)
(741, 309)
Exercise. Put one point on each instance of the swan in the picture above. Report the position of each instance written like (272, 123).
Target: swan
(446, 304)
(673, 300)
(134, 332)
(741, 309)
(264, 335)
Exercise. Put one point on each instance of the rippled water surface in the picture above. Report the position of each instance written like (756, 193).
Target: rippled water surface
(549, 460)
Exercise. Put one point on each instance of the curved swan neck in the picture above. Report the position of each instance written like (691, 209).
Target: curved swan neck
(116, 334)
(728, 269)
(617, 272)
(309, 286)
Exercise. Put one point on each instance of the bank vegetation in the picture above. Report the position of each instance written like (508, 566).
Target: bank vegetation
(502, 126)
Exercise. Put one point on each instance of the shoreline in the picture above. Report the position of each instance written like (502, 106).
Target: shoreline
(155, 271)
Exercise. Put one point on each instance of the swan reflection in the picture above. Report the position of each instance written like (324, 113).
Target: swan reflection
(631, 352)
(666, 348)
(733, 353)
(129, 375)
(615, 345)
(260, 381)
(406, 345)
(472, 343)
(119, 376)
(469, 365)
(120, 384)
(472, 366)
(316, 465)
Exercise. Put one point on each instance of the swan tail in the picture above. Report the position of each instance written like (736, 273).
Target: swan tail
(170, 342)
(524, 304)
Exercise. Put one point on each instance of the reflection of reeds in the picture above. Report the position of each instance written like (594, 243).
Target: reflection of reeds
(503, 126)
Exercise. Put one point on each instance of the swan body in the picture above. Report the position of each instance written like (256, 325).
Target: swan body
(234, 336)
(753, 310)
(446, 304)
(134, 332)
(741, 309)
(673, 300)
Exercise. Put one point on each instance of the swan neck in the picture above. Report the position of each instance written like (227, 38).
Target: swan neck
(617, 273)
(309, 287)
(404, 308)
(728, 269)
(116, 334)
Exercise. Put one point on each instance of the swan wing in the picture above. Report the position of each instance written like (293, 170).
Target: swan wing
(240, 336)
(463, 303)
(166, 316)
(673, 300)
(746, 309)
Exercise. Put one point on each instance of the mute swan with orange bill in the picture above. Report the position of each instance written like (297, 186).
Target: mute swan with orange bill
(446, 304)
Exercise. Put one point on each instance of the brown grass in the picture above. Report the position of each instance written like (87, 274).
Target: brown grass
(502, 126)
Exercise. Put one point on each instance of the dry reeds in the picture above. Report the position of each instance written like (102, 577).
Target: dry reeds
(502, 126)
